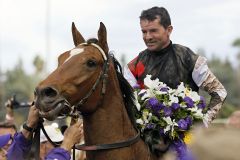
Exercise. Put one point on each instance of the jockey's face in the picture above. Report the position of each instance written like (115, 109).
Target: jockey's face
(155, 36)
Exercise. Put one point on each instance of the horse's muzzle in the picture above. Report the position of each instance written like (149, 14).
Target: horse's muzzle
(50, 103)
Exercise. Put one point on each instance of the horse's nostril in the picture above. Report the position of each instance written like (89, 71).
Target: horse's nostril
(49, 92)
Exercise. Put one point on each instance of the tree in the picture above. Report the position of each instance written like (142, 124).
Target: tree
(38, 62)
(18, 82)
(236, 43)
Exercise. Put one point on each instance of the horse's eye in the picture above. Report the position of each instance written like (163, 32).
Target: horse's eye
(91, 63)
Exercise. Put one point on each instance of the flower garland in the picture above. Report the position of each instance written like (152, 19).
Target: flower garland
(166, 114)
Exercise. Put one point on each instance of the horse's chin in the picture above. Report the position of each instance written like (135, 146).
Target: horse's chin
(60, 109)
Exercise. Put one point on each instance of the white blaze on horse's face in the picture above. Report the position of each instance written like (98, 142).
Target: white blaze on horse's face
(74, 52)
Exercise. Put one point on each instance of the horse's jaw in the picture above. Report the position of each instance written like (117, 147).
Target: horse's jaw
(52, 110)
(54, 113)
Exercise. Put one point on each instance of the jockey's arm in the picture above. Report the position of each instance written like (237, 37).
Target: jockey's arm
(206, 80)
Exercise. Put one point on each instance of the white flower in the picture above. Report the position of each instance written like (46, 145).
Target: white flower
(171, 91)
(149, 116)
(194, 96)
(181, 88)
(183, 106)
(143, 91)
(196, 112)
(182, 94)
(146, 116)
(138, 106)
(173, 99)
(182, 91)
(158, 92)
(139, 121)
(170, 124)
(166, 96)
(146, 93)
(162, 85)
(151, 84)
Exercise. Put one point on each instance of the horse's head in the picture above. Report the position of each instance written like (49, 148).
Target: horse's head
(79, 75)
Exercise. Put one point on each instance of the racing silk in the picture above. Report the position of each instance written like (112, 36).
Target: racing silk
(175, 64)
(171, 65)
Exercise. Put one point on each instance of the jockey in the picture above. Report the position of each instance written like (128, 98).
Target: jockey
(172, 63)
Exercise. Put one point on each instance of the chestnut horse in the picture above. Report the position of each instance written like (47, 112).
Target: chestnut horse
(88, 78)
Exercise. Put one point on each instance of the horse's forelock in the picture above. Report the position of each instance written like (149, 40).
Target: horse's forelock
(92, 40)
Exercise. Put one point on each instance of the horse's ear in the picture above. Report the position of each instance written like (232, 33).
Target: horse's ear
(102, 37)
(77, 37)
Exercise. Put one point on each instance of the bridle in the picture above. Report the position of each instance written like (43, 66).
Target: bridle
(103, 76)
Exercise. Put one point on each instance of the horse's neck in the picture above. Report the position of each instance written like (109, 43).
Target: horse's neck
(110, 123)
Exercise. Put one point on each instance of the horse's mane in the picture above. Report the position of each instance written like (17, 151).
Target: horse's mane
(126, 88)
(127, 91)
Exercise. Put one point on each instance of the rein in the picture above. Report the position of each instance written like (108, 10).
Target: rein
(120, 144)
(84, 147)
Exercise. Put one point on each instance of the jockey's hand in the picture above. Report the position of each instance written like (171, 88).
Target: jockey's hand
(72, 136)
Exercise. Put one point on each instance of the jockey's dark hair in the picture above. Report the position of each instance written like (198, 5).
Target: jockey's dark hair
(153, 13)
